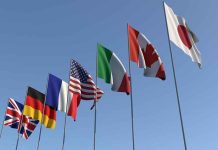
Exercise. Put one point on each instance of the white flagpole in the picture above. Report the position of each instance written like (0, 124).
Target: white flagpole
(175, 82)
(95, 101)
(131, 97)
(42, 120)
(95, 121)
(4, 119)
(65, 119)
(20, 126)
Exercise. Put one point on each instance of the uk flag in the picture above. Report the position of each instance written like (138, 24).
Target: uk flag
(15, 119)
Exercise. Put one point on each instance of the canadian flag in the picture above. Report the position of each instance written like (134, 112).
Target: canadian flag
(144, 54)
(181, 35)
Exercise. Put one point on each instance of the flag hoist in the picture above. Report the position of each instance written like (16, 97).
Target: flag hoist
(131, 97)
(180, 34)
(15, 119)
(112, 71)
(57, 97)
(142, 52)
(81, 87)
(37, 108)
(24, 116)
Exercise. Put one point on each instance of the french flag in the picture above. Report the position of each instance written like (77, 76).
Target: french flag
(56, 96)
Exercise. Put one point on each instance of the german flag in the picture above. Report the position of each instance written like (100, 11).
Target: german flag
(34, 108)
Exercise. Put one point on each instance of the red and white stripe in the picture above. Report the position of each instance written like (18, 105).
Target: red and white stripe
(78, 91)
(87, 91)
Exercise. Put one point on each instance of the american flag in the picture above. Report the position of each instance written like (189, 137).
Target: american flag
(14, 117)
(82, 83)
(81, 86)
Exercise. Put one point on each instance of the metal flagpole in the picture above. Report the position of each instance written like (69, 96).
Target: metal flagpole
(3, 119)
(95, 105)
(95, 102)
(20, 126)
(131, 98)
(42, 120)
(175, 81)
(65, 119)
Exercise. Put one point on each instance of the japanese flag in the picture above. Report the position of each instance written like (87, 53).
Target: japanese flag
(181, 35)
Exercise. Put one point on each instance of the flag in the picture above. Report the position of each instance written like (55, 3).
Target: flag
(81, 86)
(34, 108)
(111, 69)
(181, 35)
(15, 119)
(56, 96)
(144, 54)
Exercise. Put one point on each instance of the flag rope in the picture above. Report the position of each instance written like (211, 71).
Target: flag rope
(65, 119)
(42, 120)
(175, 82)
(131, 98)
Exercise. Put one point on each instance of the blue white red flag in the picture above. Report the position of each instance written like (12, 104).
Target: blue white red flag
(56, 96)
(15, 119)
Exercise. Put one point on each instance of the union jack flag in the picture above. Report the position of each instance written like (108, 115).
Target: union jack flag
(15, 119)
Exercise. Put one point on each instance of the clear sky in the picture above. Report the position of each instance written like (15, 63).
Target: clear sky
(40, 37)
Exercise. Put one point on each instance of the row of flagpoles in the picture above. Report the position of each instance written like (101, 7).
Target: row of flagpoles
(66, 97)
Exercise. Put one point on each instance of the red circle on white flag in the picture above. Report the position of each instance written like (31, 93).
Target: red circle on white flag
(184, 36)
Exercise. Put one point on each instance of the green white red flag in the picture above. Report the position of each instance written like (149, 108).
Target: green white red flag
(111, 69)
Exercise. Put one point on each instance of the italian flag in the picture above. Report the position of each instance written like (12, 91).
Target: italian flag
(111, 69)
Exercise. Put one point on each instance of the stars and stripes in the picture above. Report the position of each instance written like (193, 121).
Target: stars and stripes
(14, 117)
(81, 86)
(82, 83)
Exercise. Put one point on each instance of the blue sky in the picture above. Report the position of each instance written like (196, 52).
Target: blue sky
(40, 37)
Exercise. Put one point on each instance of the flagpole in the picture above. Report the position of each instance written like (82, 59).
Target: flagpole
(20, 126)
(3, 119)
(2, 127)
(42, 120)
(175, 82)
(65, 119)
(131, 98)
(95, 104)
